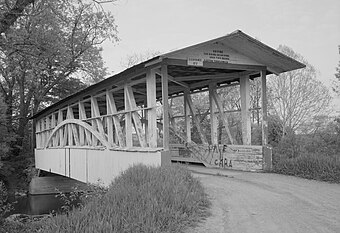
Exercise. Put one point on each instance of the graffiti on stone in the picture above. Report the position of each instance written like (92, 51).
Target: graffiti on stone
(229, 156)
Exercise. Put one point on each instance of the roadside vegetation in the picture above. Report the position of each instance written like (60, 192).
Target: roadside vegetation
(313, 156)
(141, 199)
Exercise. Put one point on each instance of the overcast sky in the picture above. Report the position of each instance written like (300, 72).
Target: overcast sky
(309, 27)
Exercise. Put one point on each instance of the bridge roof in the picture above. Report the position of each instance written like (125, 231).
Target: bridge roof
(222, 60)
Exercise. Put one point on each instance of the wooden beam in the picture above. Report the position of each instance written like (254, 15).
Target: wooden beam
(196, 120)
(264, 108)
(215, 65)
(54, 124)
(128, 118)
(215, 77)
(97, 123)
(223, 116)
(73, 127)
(187, 121)
(38, 134)
(82, 116)
(111, 109)
(213, 117)
(174, 80)
(151, 114)
(245, 113)
(165, 97)
(136, 118)
(119, 79)
(60, 132)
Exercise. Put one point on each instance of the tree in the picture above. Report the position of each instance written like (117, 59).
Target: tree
(297, 96)
(336, 87)
(12, 11)
(52, 51)
(5, 136)
(136, 58)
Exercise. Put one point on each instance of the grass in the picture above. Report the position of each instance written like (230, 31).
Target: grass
(142, 199)
(310, 166)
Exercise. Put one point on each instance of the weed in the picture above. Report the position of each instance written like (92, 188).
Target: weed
(142, 199)
(310, 166)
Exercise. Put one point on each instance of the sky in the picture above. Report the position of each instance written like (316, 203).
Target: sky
(310, 27)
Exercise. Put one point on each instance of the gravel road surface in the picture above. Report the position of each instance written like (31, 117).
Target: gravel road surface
(263, 202)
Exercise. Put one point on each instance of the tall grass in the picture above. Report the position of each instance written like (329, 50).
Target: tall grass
(310, 166)
(142, 199)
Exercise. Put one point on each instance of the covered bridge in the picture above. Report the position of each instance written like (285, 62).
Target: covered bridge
(126, 119)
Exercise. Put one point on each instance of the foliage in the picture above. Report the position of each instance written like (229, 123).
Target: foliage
(311, 166)
(81, 196)
(314, 155)
(12, 12)
(4, 206)
(52, 51)
(142, 199)
(5, 137)
(17, 227)
(336, 83)
(136, 58)
(297, 96)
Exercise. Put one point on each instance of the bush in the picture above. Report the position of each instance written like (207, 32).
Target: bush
(142, 199)
(310, 166)
(4, 206)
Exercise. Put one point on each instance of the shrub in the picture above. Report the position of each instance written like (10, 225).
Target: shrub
(4, 206)
(142, 199)
(310, 166)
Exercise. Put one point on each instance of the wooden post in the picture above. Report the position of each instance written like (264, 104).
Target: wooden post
(213, 117)
(187, 120)
(69, 129)
(267, 150)
(81, 130)
(151, 103)
(165, 96)
(128, 122)
(264, 108)
(54, 124)
(43, 134)
(47, 129)
(38, 134)
(245, 113)
(61, 132)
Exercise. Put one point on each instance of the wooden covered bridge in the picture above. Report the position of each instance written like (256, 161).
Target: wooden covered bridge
(126, 119)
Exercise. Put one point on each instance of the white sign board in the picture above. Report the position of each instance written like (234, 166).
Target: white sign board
(195, 61)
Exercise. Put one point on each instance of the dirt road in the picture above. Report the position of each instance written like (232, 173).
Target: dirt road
(262, 202)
